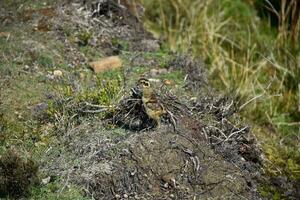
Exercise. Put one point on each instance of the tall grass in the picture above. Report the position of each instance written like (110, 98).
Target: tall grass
(244, 54)
(288, 16)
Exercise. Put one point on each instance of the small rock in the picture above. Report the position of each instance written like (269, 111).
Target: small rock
(168, 82)
(26, 67)
(108, 63)
(19, 115)
(81, 76)
(193, 99)
(154, 80)
(154, 72)
(133, 172)
(169, 180)
(166, 185)
(50, 76)
(117, 196)
(57, 73)
(172, 196)
(125, 196)
(162, 71)
(45, 181)
(71, 65)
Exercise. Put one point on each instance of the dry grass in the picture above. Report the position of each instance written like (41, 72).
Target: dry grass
(288, 21)
(245, 55)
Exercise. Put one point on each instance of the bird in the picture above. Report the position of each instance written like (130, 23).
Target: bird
(154, 109)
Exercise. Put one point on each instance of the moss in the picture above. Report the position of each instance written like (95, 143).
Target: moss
(285, 158)
(106, 90)
(90, 52)
(270, 192)
(162, 56)
(45, 61)
(208, 119)
(138, 70)
(175, 76)
(83, 37)
(103, 89)
(120, 44)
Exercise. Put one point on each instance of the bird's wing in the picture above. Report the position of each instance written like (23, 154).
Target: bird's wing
(154, 105)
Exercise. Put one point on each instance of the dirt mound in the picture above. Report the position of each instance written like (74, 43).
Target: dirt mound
(199, 159)
(162, 165)
(147, 165)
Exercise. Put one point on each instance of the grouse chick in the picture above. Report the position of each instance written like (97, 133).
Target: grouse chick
(153, 107)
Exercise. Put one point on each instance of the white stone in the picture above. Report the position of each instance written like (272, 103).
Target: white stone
(57, 73)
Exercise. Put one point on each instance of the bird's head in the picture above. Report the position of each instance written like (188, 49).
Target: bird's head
(144, 83)
(142, 86)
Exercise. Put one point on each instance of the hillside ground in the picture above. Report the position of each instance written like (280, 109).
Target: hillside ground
(70, 133)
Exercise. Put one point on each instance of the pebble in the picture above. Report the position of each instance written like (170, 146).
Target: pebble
(154, 72)
(163, 71)
(26, 67)
(57, 73)
(45, 181)
(166, 185)
(168, 82)
(154, 80)
(81, 75)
